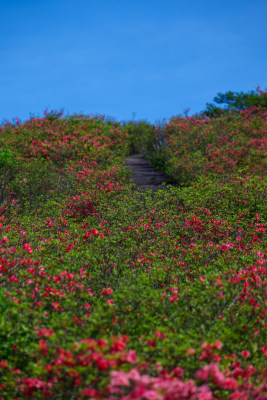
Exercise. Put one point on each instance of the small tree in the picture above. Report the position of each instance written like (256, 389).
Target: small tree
(235, 101)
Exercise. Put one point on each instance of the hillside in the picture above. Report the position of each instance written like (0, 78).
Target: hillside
(107, 292)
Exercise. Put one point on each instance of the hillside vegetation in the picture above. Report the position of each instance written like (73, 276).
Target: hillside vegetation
(111, 293)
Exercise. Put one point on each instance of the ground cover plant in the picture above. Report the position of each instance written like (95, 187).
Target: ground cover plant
(111, 293)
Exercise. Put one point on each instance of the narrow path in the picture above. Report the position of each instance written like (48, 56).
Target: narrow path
(143, 174)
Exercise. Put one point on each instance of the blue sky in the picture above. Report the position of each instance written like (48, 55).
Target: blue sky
(142, 58)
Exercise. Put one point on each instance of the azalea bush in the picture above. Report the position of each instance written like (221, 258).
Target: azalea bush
(111, 293)
(201, 146)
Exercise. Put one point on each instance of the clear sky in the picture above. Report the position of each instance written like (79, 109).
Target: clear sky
(148, 59)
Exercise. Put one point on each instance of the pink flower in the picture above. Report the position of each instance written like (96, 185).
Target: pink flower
(245, 353)
(259, 253)
(49, 223)
(178, 372)
(118, 346)
(130, 357)
(238, 395)
(203, 373)
(218, 344)
(119, 378)
(3, 364)
(190, 352)
(216, 358)
(89, 392)
(264, 350)
(102, 343)
(109, 291)
(173, 299)
(94, 232)
(103, 364)
(151, 395)
(134, 375)
(144, 380)
(225, 247)
(106, 291)
(43, 347)
(229, 384)
(160, 335)
(204, 393)
(28, 248)
(45, 332)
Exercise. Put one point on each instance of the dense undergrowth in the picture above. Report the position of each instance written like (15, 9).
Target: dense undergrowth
(110, 293)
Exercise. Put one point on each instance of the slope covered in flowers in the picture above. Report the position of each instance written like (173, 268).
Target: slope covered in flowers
(110, 293)
(215, 146)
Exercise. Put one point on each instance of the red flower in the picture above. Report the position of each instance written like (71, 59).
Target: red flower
(28, 248)
(130, 357)
(45, 332)
(89, 392)
(107, 291)
(264, 350)
(43, 347)
(245, 353)
(118, 346)
(173, 299)
(103, 364)
(3, 364)
(190, 352)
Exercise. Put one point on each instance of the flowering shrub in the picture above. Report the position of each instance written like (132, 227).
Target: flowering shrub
(110, 293)
(214, 146)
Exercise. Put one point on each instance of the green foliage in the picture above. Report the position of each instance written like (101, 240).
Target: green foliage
(7, 157)
(235, 101)
(102, 284)
(141, 137)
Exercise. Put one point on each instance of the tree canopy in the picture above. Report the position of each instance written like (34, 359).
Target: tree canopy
(235, 101)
